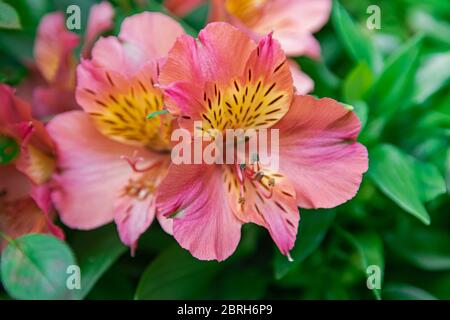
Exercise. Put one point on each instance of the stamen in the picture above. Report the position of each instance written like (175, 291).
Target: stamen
(157, 113)
(134, 160)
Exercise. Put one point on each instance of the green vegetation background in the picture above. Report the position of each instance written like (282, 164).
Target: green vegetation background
(397, 80)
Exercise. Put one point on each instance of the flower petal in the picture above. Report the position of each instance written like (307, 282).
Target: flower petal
(151, 33)
(293, 22)
(100, 20)
(209, 59)
(303, 84)
(256, 98)
(53, 50)
(318, 150)
(120, 106)
(49, 101)
(133, 217)
(86, 160)
(273, 207)
(36, 158)
(205, 224)
(19, 213)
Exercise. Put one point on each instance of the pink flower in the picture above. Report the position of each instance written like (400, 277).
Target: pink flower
(111, 158)
(320, 162)
(26, 164)
(52, 82)
(292, 22)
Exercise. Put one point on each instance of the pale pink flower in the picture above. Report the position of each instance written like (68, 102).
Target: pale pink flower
(320, 165)
(51, 83)
(111, 158)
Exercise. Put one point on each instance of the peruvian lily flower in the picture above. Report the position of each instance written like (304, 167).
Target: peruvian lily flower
(292, 22)
(320, 162)
(51, 84)
(26, 165)
(111, 158)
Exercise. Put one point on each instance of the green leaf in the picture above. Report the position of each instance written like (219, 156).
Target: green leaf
(250, 279)
(424, 248)
(357, 82)
(34, 267)
(358, 45)
(392, 88)
(406, 181)
(96, 251)
(421, 21)
(406, 292)
(447, 174)
(175, 274)
(431, 182)
(9, 19)
(433, 74)
(369, 247)
(313, 227)
(362, 111)
(9, 150)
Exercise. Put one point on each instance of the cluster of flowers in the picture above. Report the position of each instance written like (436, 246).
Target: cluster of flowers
(100, 159)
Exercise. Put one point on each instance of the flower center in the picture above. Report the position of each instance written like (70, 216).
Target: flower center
(246, 10)
(121, 115)
(244, 104)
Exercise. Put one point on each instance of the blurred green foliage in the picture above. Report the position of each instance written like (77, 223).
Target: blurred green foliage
(397, 80)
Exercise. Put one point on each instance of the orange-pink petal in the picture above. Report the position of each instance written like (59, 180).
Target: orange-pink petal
(319, 152)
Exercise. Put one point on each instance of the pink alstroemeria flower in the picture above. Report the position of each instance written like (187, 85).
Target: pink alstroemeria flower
(51, 84)
(26, 165)
(111, 158)
(320, 163)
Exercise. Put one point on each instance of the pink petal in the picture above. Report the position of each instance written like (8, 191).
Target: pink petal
(86, 160)
(108, 53)
(182, 7)
(48, 101)
(293, 22)
(319, 152)
(53, 50)
(120, 105)
(151, 33)
(133, 217)
(209, 59)
(302, 82)
(165, 223)
(100, 20)
(205, 224)
(276, 211)
(42, 197)
(12, 110)
(20, 215)
(36, 156)
(264, 77)
(14, 183)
